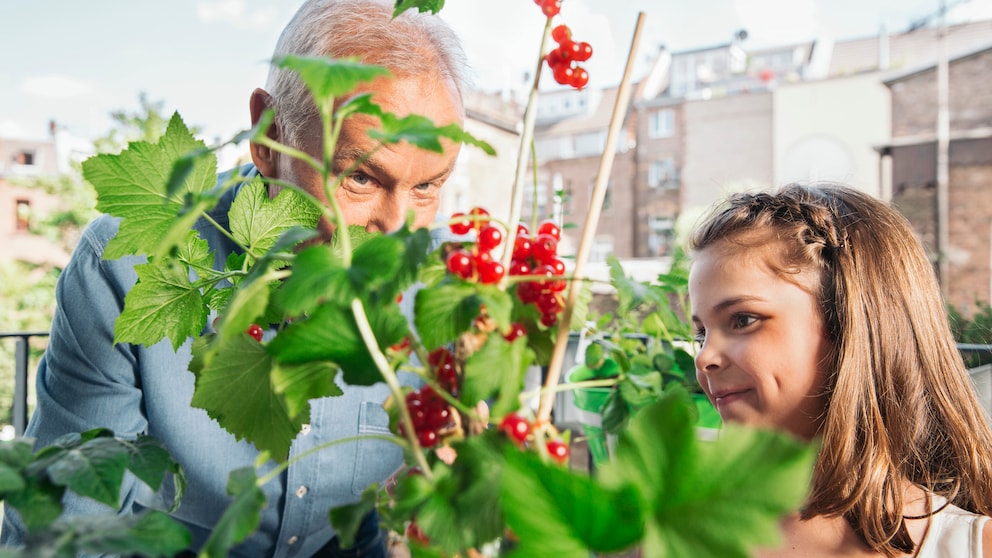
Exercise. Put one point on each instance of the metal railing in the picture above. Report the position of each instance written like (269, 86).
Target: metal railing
(21, 356)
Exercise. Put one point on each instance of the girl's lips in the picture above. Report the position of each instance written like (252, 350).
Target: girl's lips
(726, 397)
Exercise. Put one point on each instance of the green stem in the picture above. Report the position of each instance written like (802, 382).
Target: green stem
(382, 363)
(605, 382)
(261, 481)
(228, 234)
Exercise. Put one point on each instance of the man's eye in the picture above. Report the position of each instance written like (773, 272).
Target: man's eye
(360, 178)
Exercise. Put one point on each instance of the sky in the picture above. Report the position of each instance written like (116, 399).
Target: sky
(75, 62)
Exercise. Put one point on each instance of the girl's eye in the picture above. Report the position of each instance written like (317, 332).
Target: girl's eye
(700, 335)
(741, 321)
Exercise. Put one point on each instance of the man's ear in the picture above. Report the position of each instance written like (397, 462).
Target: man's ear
(263, 157)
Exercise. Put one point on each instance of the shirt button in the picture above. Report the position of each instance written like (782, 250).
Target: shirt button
(301, 492)
(305, 429)
(293, 539)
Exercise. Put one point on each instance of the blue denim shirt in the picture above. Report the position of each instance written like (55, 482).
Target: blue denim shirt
(86, 381)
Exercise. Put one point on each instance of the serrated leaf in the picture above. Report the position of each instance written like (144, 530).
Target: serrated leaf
(317, 274)
(150, 462)
(299, 383)
(444, 311)
(463, 510)
(329, 78)
(496, 369)
(331, 334)
(375, 262)
(708, 499)
(433, 6)
(554, 512)
(241, 518)
(133, 185)
(152, 533)
(257, 220)
(162, 304)
(94, 469)
(195, 253)
(235, 389)
(248, 303)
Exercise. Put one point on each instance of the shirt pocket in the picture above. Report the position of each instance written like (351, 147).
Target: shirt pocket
(376, 459)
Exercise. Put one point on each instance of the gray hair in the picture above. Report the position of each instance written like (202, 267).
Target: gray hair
(409, 45)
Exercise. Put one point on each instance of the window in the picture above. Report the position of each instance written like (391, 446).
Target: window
(590, 143)
(24, 158)
(661, 235)
(662, 124)
(663, 174)
(602, 246)
(22, 215)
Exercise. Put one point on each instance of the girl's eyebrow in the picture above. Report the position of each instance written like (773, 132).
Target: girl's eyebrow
(728, 302)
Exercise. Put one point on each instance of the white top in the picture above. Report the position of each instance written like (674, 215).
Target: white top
(953, 533)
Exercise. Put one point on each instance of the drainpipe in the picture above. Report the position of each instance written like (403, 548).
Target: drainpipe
(943, 135)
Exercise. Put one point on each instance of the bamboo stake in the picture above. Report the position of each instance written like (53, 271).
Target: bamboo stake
(589, 230)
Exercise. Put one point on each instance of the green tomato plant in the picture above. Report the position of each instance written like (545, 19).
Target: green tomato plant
(478, 327)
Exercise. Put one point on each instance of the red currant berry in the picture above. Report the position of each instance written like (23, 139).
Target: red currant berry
(490, 237)
(548, 320)
(522, 230)
(427, 438)
(583, 53)
(563, 74)
(515, 426)
(255, 331)
(460, 264)
(568, 49)
(558, 266)
(520, 267)
(580, 78)
(555, 60)
(522, 247)
(438, 418)
(491, 272)
(558, 450)
(460, 224)
(551, 8)
(517, 330)
(545, 249)
(528, 292)
(561, 33)
(551, 228)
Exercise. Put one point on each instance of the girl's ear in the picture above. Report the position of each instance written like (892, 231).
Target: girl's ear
(263, 157)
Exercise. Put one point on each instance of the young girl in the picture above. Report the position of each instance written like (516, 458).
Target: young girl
(819, 313)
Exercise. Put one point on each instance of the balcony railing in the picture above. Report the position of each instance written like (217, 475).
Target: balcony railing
(21, 357)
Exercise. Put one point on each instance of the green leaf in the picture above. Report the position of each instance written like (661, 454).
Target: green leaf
(39, 504)
(496, 369)
(150, 461)
(247, 305)
(241, 518)
(162, 304)
(195, 253)
(331, 334)
(554, 512)
(257, 220)
(235, 388)
(10, 479)
(719, 499)
(317, 274)
(441, 313)
(421, 5)
(94, 469)
(151, 533)
(415, 129)
(299, 383)
(347, 519)
(375, 262)
(464, 510)
(329, 78)
(133, 185)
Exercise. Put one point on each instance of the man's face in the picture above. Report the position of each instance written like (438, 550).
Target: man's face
(395, 179)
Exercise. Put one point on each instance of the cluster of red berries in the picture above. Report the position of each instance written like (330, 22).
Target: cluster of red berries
(478, 263)
(563, 60)
(538, 255)
(520, 430)
(431, 416)
(549, 7)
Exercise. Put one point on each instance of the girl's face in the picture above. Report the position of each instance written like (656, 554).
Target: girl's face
(764, 345)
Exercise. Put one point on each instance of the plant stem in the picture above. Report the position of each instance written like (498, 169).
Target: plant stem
(589, 230)
(281, 466)
(526, 137)
(362, 319)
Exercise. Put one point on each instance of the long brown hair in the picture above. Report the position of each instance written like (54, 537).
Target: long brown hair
(902, 406)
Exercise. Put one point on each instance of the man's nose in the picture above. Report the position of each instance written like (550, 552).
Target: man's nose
(389, 215)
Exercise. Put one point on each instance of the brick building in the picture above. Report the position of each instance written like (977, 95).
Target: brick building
(913, 155)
